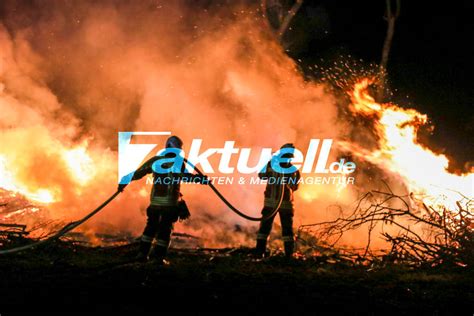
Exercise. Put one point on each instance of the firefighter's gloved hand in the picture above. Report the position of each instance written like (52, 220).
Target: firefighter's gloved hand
(121, 187)
(183, 211)
(184, 217)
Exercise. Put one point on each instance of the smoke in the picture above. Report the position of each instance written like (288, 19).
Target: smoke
(73, 74)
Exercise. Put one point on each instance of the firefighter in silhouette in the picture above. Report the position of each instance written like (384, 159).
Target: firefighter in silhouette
(276, 182)
(166, 203)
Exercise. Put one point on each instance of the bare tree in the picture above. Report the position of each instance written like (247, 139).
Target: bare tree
(390, 16)
(282, 16)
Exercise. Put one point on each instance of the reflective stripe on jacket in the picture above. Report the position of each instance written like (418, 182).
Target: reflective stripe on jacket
(272, 190)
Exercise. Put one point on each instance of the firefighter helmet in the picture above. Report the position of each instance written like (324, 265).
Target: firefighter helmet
(174, 142)
(288, 153)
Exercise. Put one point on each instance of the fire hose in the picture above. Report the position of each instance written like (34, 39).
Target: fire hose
(75, 224)
(63, 230)
(234, 209)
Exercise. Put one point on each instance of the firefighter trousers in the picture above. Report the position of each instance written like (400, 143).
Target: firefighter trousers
(286, 220)
(159, 225)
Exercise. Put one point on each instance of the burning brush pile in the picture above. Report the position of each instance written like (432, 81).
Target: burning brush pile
(432, 224)
(70, 80)
(424, 236)
(14, 209)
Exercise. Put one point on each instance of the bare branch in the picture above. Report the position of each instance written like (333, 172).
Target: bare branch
(438, 236)
(390, 18)
(287, 19)
(284, 20)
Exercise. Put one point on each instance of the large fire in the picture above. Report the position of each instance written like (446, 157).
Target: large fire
(69, 84)
(79, 164)
(8, 182)
(423, 172)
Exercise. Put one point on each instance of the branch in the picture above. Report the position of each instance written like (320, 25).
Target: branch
(291, 14)
(390, 18)
(444, 235)
(283, 21)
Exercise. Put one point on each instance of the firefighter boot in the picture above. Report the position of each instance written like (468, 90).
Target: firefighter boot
(143, 251)
(289, 248)
(261, 248)
(158, 255)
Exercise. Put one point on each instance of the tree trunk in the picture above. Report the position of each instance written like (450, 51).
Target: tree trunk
(391, 18)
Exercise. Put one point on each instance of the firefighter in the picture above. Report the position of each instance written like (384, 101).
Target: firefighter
(277, 181)
(166, 203)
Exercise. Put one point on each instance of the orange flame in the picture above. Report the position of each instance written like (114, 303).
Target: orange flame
(422, 171)
(8, 182)
(78, 162)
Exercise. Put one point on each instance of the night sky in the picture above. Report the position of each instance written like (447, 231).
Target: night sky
(430, 63)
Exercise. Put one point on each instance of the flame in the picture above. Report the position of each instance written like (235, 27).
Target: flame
(422, 171)
(8, 182)
(228, 84)
(80, 166)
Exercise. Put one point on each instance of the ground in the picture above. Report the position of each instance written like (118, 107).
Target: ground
(69, 279)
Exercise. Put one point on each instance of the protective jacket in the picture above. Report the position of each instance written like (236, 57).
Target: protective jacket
(274, 181)
(166, 186)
